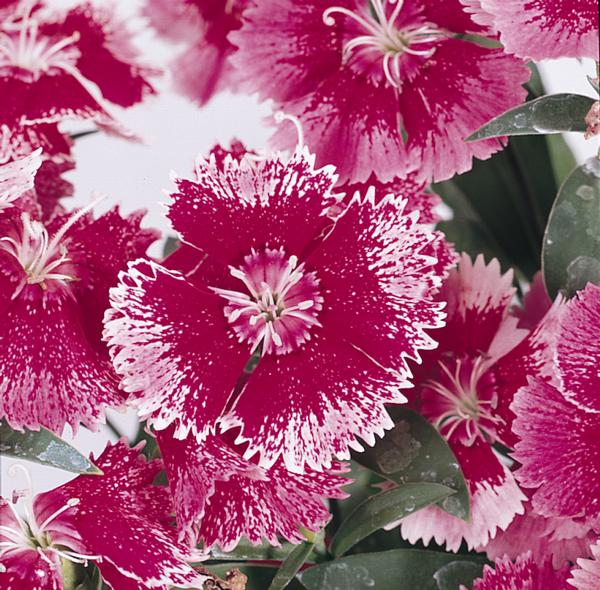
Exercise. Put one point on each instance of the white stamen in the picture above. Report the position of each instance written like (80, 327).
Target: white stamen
(280, 116)
(39, 255)
(72, 502)
(384, 36)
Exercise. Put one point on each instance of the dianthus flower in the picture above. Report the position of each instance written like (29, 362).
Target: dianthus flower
(64, 66)
(541, 29)
(333, 308)
(117, 520)
(465, 387)
(563, 467)
(53, 292)
(203, 68)
(522, 574)
(384, 87)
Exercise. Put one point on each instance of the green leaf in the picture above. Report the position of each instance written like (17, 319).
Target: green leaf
(384, 508)
(501, 206)
(562, 157)
(555, 113)
(43, 447)
(571, 254)
(289, 568)
(399, 569)
(245, 551)
(414, 452)
(171, 244)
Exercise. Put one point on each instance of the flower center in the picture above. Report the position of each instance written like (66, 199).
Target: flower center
(383, 34)
(42, 258)
(21, 45)
(462, 403)
(17, 533)
(279, 304)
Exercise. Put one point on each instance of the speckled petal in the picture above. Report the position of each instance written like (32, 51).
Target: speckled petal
(578, 349)
(232, 207)
(542, 29)
(171, 344)
(562, 468)
(123, 518)
(221, 498)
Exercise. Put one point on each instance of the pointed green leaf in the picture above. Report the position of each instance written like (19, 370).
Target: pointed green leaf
(399, 569)
(384, 508)
(43, 447)
(414, 452)
(555, 113)
(571, 252)
(289, 568)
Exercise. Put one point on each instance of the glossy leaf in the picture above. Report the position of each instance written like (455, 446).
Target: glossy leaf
(289, 568)
(384, 508)
(555, 113)
(43, 447)
(399, 569)
(414, 452)
(571, 254)
(501, 206)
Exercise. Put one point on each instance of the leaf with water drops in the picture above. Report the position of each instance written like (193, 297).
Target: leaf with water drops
(555, 113)
(571, 251)
(384, 508)
(399, 569)
(414, 452)
(43, 447)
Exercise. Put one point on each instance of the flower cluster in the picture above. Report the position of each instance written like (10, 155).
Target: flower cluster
(309, 293)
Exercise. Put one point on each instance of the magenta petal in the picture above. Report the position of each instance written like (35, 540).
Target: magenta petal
(18, 177)
(171, 344)
(578, 349)
(560, 539)
(26, 568)
(306, 49)
(236, 206)
(108, 58)
(384, 303)
(495, 500)
(541, 29)
(220, 497)
(353, 124)
(454, 93)
(309, 405)
(523, 574)
(123, 518)
(51, 376)
(97, 266)
(477, 297)
(563, 467)
(586, 576)
(536, 304)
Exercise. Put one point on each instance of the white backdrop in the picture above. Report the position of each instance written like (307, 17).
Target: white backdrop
(175, 131)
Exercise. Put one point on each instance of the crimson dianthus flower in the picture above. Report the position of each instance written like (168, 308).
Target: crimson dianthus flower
(203, 68)
(57, 66)
(465, 386)
(563, 469)
(541, 29)
(53, 292)
(334, 309)
(384, 87)
(117, 520)
(522, 574)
